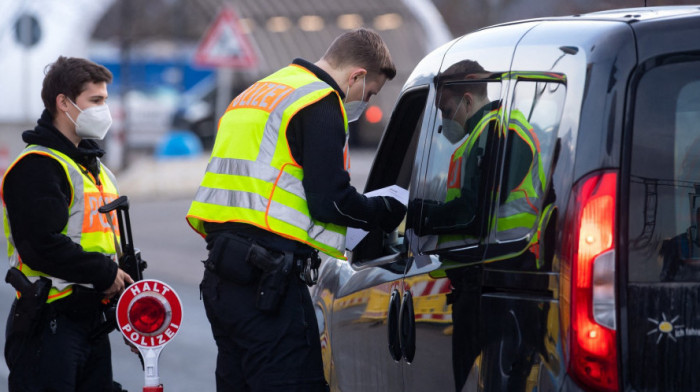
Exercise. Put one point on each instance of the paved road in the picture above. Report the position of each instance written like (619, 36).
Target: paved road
(173, 252)
(160, 193)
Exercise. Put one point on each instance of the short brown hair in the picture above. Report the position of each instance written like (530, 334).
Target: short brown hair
(68, 76)
(363, 48)
(465, 70)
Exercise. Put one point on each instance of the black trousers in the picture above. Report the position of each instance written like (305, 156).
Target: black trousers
(60, 357)
(261, 351)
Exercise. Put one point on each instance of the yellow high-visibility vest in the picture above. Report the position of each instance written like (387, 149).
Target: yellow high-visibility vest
(517, 216)
(86, 225)
(456, 175)
(252, 176)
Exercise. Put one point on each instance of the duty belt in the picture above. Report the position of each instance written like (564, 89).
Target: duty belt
(305, 265)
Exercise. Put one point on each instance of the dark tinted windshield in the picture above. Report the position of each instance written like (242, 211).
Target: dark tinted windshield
(664, 242)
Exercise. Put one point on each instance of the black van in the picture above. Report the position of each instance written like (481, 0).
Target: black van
(551, 241)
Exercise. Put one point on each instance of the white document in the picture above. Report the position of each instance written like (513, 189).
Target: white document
(355, 235)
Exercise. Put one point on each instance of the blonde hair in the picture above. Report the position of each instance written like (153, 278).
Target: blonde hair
(363, 48)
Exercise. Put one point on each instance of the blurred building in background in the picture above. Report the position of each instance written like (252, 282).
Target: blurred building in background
(150, 47)
(32, 35)
(158, 38)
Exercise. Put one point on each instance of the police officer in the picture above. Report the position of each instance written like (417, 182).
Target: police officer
(55, 234)
(275, 193)
(470, 120)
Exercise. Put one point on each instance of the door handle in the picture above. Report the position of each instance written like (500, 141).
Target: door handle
(393, 325)
(407, 328)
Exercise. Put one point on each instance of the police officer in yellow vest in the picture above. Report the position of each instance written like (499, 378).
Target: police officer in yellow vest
(64, 249)
(469, 119)
(276, 193)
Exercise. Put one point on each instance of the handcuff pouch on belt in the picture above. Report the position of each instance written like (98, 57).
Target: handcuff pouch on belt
(229, 258)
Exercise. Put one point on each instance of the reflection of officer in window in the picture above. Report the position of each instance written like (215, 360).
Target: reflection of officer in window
(466, 112)
(468, 118)
(470, 121)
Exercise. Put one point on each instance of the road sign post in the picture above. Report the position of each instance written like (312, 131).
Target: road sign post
(225, 46)
(149, 315)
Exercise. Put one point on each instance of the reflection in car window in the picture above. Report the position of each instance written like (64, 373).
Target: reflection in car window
(468, 122)
(533, 121)
(664, 205)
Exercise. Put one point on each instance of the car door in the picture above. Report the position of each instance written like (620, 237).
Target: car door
(446, 233)
(360, 310)
(518, 271)
(449, 211)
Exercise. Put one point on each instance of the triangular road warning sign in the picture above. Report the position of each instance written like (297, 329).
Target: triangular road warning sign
(225, 45)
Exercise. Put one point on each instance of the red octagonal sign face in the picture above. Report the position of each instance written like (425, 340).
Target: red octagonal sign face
(149, 313)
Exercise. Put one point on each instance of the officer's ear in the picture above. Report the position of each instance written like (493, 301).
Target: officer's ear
(468, 100)
(356, 75)
(62, 103)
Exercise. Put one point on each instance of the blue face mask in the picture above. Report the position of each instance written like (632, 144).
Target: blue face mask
(354, 109)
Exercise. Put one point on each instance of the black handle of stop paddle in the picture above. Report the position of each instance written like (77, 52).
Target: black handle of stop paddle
(130, 262)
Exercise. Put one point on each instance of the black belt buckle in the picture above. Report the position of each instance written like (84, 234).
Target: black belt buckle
(309, 271)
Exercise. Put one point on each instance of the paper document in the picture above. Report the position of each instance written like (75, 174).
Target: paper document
(355, 235)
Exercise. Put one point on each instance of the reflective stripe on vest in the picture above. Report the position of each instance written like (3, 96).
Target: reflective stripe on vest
(456, 173)
(518, 215)
(86, 225)
(252, 177)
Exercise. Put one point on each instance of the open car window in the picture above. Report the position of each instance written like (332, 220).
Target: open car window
(393, 165)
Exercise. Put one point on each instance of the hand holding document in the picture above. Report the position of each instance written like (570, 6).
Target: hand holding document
(355, 235)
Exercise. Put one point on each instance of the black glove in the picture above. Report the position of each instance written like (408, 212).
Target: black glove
(394, 214)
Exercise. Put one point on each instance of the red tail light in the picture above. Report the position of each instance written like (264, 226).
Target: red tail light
(587, 289)
(147, 314)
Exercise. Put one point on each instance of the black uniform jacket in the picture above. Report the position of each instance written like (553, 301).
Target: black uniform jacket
(36, 193)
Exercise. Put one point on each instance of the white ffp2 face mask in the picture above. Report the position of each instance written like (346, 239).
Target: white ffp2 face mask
(354, 109)
(93, 122)
(453, 130)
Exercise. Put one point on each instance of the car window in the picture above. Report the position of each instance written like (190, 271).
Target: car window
(453, 193)
(664, 200)
(533, 121)
(393, 165)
